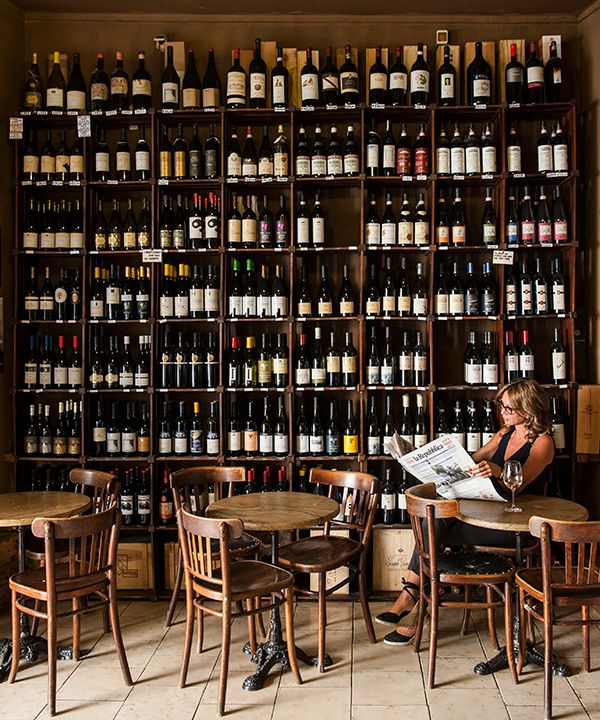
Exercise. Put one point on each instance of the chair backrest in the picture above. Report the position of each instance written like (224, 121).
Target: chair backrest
(579, 578)
(101, 487)
(93, 541)
(358, 495)
(201, 561)
(191, 485)
(422, 504)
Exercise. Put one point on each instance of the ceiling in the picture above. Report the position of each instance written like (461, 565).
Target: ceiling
(308, 7)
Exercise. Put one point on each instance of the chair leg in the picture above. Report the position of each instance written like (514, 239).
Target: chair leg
(116, 631)
(16, 638)
(547, 662)
(251, 625)
(106, 619)
(364, 601)
(200, 621)
(76, 604)
(289, 633)
(508, 630)
(522, 634)
(420, 617)
(176, 589)
(189, 634)
(467, 613)
(52, 657)
(585, 636)
(35, 622)
(225, 645)
(489, 598)
(322, 622)
(434, 611)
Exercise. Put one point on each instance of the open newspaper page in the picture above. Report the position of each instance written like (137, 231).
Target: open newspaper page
(447, 464)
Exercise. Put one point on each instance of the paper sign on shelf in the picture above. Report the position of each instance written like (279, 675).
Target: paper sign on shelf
(152, 256)
(503, 257)
(15, 128)
(84, 126)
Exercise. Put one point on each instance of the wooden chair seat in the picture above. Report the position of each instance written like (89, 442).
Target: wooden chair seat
(242, 545)
(563, 595)
(32, 583)
(249, 578)
(318, 554)
(481, 566)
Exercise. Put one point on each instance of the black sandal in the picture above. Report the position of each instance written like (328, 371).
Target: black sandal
(391, 618)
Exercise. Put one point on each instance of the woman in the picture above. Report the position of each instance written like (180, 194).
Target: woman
(525, 435)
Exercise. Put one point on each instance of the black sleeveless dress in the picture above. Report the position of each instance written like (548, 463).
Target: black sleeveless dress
(521, 454)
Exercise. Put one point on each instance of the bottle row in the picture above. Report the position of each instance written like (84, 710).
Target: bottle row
(395, 85)
(463, 153)
(124, 292)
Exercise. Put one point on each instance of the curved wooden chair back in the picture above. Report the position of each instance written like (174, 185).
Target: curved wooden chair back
(578, 582)
(191, 485)
(358, 494)
(208, 567)
(93, 541)
(422, 504)
(101, 487)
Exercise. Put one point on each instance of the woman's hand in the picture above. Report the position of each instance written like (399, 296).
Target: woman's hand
(487, 469)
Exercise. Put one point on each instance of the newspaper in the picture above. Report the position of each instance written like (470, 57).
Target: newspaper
(447, 464)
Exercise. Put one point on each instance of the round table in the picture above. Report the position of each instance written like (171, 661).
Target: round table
(272, 512)
(19, 510)
(491, 515)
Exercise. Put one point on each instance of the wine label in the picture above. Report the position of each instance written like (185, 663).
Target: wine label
(55, 97)
(99, 91)
(212, 445)
(234, 441)
(170, 94)
(302, 231)
(544, 153)
(558, 431)
(333, 364)
(279, 306)
(234, 231)
(302, 444)
(456, 304)
(119, 86)
(419, 81)
(315, 444)
(325, 308)
(389, 156)
(473, 441)
(349, 82)
(419, 440)
(526, 362)
(488, 160)
(373, 375)
(303, 166)
(387, 375)
(303, 376)
(180, 445)
(211, 299)
(489, 234)
(304, 309)
(419, 306)
(442, 235)
(421, 233)
(447, 86)
(249, 168)
(249, 231)
(373, 156)
(250, 440)
(30, 240)
(459, 234)
(457, 161)
(374, 448)
(141, 87)
(526, 297)
(181, 306)
(405, 362)
(334, 165)
(403, 161)
(350, 444)
(482, 89)
(541, 298)
(374, 233)
(278, 90)
(403, 304)
(473, 373)
(443, 161)
(559, 366)
(318, 165)
(490, 374)
(61, 240)
(123, 162)
(398, 81)
(511, 298)
(265, 443)
(441, 304)
(513, 158)
(535, 77)
(280, 366)
(128, 442)
(165, 447)
(348, 364)
(249, 306)
(514, 75)
(560, 231)
(210, 97)
(388, 233)
(421, 161)
(473, 161)
(318, 230)
(561, 158)
(266, 167)
(373, 307)
(191, 97)
(258, 86)
(558, 298)
(236, 86)
(102, 162)
(265, 372)
(31, 164)
(351, 165)
(75, 100)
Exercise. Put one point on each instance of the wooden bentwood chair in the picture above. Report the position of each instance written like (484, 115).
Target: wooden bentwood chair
(103, 490)
(90, 571)
(191, 488)
(468, 569)
(560, 590)
(359, 498)
(210, 575)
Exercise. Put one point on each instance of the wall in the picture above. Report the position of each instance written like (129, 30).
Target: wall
(12, 40)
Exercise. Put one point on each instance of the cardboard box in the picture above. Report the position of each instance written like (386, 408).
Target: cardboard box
(333, 577)
(134, 566)
(587, 424)
(392, 550)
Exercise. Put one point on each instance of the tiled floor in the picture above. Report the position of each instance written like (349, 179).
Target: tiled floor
(367, 682)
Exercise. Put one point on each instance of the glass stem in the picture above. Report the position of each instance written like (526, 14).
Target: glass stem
(513, 497)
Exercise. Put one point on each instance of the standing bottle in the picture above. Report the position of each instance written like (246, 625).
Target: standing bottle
(349, 92)
(479, 79)
(534, 76)
(211, 84)
(119, 85)
(33, 94)
(309, 82)
(280, 98)
(553, 79)
(191, 87)
(99, 86)
(76, 90)
(526, 358)
(419, 79)
(350, 433)
(169, 84)
(141, 85)
(378, 80)
(514, 74)
(258, 78)
(447, 80)
(330, 80)
(558, 356)
(398, 80)
(56, 88)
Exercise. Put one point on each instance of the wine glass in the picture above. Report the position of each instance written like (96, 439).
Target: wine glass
(512, 476)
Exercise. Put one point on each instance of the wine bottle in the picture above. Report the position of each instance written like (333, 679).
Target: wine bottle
(211, 84)
(539, 290)
(316, 438)
(457, 153)
(349, 362)
(141, 85)
(279, 83)
(56, 88)
(119, 85)
(514, 75)
(373, 431)
(457, 427)
(447, 80)
(472, 362)
(558, 425)
(350, 433)
(534, 70)
(398, 80)
(526, 358)
(191, 86)
(349, 91)
(76, 90)
(333, 363)
(33, 94)
(419, 79)
(488, 220)
(473, 432)
(557, 288)
(99, 86)
(558, 357)
(406, 227)
(479, 79)
(472, 153)
(378, 80)
(457, 221)
(553, 79)
(544, 151)
(258, 78)
(309, 82)
(169, 84)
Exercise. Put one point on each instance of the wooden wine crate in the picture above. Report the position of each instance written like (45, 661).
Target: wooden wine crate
(489, 53)
(8, 563)
(170, 557)
(179, 59)
(369, 60)
(135, 566)
(587, 426)
(455, 60)
(504, 59)
(333, 577)
(392, 550)
(300, 63)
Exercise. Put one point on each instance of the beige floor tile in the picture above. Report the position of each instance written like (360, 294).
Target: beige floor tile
(90, 682)
(590, 699)
(164, 670)
(584, 680)
(339, 648)
(530, 690)
(339, 615)
(458, 673)
(85, 710)
(380, 712)
(296, 703)
(148, 702)
(368, 656)
(239, 712)
(236, 695)
(564, 712)
(38, 672)
(21, 700)
(403, 687)
(456, 704)
(104, 653)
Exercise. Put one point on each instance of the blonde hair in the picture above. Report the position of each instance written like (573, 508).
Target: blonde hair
(529, 399)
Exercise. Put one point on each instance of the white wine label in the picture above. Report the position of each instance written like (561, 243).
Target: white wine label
(403, 304)
(473, 161)
(378, 81)
(303, 166)
(234, 165)
(325, 308)
(535, 76)
(513, 159)
(99, 91)
(318, 231)
(490, 374)
(280, 166)
(420, 363)
(235, 306)
(373, 233)
(389, 303)
(280, 366)
(333, 363)
(170, 92)
(249, 231)
(265, 443)
(387, 375)
(388, 233)
(166, 306)
(263, 306)
(349, 364)
(55, 97)
(334, 165)
(561, 158)
(210, 97)
(488, 160)
(558, 298)
(211, 299)
(142, 160)
(373, 375)
(374, 448)
(558, 431)
(349, 82)
(398, 81)
(304, 309)
(234, 441)
(421, 233)
(489, 234)
(31, 164)
(405, 362)
(249, 168)
(47, 165)
(443, 161)
(234, 231)
(514, 75)
(303, 376)
(419, 81)
(123, 162)
(278, 90)
(310, 86)
(182, 306)
(456, 304)
(236, 86)
(541, 299)
(30, 240)
(544, 153)
(351, 164)
(62, 240)
(442, 234)
(302, 231)
(373, 307)
(372, 156)
(419, 306)
(141, 87)
(191, 97)
(102, 162)
(419, 440)
(482, 89)
(119, 86)
(441, 304)
(258, 85)
(473, 442)
(447, 86)
(318, 165)
(526, 363)
(457, 161)
(346, 307)
(473, 374)
(99, 434)
(75, 100)
(389, 156)
(559, 366)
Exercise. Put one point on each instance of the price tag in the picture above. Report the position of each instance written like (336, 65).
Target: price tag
(329, 106)
(126, 112)
(407, 178)
(307, 108)
(266, 179)
(15, 128)
(349, 106)
(152, 256)
(480, 106)
(110, 113)
(377, 106)
(163, 181)
(167, 111)
(421, 177)
(420, 106)
(458, 177)
(84, 126)
(280, 109)
(140, 111)
(352, 247)
(112, 182)
(487, 176)
(232, 180)
(503, 257)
